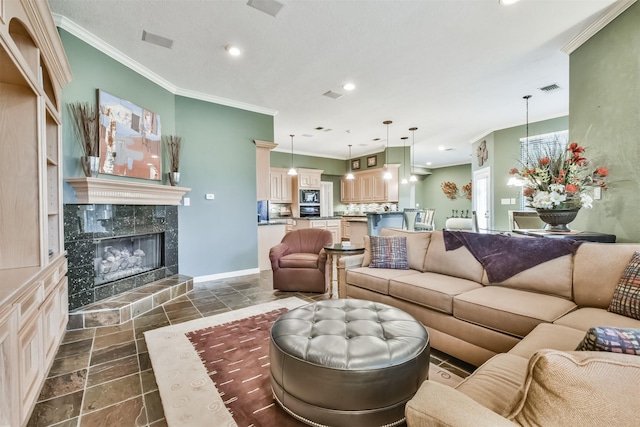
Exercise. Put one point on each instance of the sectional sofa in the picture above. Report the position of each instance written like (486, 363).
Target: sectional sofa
(503, 327)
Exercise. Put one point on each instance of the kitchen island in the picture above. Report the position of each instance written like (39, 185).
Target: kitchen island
(379, 220)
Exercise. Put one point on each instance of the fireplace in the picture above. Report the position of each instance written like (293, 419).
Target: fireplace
(116, 248)
(120, 257)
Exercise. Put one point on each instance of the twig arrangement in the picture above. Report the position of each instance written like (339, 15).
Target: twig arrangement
(450, 189)
(173, 144)
(86, 120)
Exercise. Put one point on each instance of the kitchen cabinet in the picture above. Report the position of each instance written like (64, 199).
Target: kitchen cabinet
(263, 166)
(269, 235)
(370, 187)
(309, 178)
(33, 264)
(333, 225)
(281, 186)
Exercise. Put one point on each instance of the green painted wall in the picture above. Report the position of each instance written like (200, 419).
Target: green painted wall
(435, 198)
(504, 154)
(604, 107)
(216, 236)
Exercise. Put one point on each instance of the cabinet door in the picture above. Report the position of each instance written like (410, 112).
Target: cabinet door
(9, 405)
(335, 233)
(285, 188)
(31, 368)
(366, 188)
(379, 191)
(276, 186)
(346, 190)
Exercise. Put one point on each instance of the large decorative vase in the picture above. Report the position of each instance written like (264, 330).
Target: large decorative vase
(557, 219)
(90, 165)
(174, 178)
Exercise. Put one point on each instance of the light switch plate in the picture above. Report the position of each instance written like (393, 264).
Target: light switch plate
(209, 196)
(597, 193)
(186, 201)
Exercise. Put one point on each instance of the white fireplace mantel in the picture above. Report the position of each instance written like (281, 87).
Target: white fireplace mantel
(119, 192)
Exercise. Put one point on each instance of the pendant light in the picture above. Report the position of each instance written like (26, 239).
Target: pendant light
(387, 174)
(413, 177)
(350, 174)
(515, 181)
(292, 171)
(404, 160)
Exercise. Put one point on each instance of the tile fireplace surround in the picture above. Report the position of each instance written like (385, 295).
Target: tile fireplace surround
(85, 224)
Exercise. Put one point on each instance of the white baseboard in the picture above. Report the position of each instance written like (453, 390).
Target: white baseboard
(226, 275)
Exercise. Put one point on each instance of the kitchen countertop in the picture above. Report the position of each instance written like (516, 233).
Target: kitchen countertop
(272, 222)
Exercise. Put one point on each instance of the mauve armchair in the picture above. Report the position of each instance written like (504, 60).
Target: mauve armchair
(299, 262)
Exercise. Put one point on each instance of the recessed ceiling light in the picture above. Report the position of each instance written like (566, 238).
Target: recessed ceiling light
(508, 2)
(233, 50)
(428, 163)
(349, 86)
(441, 148)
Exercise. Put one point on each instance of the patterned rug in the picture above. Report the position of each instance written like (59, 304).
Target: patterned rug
(215, 371)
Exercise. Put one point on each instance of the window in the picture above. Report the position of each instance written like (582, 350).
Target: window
(537, 144)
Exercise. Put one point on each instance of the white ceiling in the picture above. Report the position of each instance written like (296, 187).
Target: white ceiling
(456, 69)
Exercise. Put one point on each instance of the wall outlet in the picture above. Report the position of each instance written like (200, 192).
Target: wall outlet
(209, 196)
(513, 201)
(186, 201)
(504, 201)
(597, 193)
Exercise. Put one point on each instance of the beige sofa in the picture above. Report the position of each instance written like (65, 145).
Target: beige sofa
(502, 327)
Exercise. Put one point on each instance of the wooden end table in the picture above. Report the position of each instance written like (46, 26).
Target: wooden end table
(334, 252)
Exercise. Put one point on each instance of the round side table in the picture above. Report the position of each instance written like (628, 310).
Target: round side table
(334, 252)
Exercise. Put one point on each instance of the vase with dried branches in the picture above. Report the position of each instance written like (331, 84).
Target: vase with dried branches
(86, 122)
(173, 145)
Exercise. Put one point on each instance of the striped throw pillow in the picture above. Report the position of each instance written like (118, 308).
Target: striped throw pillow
(626, 298)
(389, 252)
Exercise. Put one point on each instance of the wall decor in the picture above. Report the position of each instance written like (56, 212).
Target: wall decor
(130, 139)
(450, 189)
(467, 191)
(372, 161)
(482, 153)
(355, 164)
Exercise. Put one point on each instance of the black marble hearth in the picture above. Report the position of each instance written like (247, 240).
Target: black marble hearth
(86, 225)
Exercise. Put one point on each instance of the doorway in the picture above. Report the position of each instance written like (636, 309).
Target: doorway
(326, 198)
(482, 199)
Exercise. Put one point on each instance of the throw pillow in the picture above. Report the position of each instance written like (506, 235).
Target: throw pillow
(389, 252)
(626, 298)
(615, 340)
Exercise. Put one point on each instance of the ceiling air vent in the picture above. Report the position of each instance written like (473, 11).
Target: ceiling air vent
(307, 135)
(157, 40)
(550, 88)
(333, 95)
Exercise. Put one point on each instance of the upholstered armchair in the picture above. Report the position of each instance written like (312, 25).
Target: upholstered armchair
(299, 262)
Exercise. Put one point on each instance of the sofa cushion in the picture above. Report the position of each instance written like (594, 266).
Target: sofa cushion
(417, 244)
(496, 384)
(299, 260)
(614, 340)
(575, 388)
(457, 263)
(626, 297)
(597, 269)
(552, 277)
(507, 310)
(588, 317)
(549, 336)
(389, 252)
(432, 290)
(374, 279)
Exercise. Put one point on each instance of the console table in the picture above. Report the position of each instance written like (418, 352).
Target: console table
(334, 252)
(590, 236)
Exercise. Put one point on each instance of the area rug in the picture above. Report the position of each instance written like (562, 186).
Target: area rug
(186, 356)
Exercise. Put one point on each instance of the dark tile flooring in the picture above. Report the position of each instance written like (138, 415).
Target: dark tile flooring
(103, 376)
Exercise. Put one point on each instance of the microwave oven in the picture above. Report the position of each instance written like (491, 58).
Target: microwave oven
(309, 210)
(309, 197)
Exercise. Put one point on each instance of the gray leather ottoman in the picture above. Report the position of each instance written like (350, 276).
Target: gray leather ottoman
(347, 362)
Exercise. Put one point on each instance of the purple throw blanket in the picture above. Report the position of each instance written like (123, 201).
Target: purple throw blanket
(506, 256)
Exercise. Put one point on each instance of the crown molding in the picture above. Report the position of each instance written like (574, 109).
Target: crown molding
(609, 15)
(99, 44)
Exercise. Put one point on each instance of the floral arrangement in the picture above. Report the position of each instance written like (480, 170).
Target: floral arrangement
(559, 178)
(450, 189)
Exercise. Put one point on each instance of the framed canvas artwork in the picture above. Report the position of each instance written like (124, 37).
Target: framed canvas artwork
(372, 161)
(355, 164)
(130, 139)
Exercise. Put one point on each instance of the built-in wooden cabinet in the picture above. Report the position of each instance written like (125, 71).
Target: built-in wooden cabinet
(370, 187)
(309, 178)
(333, 225)
(263, 169)
(33, 265)
(281, 186)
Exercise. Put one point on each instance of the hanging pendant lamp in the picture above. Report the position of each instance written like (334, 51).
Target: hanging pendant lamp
(515, 181)
(292, 171)
(413, 177)
(387, 174)
(404, 160)
(350, 174)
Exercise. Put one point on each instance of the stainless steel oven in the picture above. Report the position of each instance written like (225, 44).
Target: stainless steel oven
(309, 210)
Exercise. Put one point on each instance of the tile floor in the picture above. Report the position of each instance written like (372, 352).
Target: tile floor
(103, 376)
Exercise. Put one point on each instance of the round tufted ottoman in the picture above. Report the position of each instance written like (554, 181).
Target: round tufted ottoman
(347, 362)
